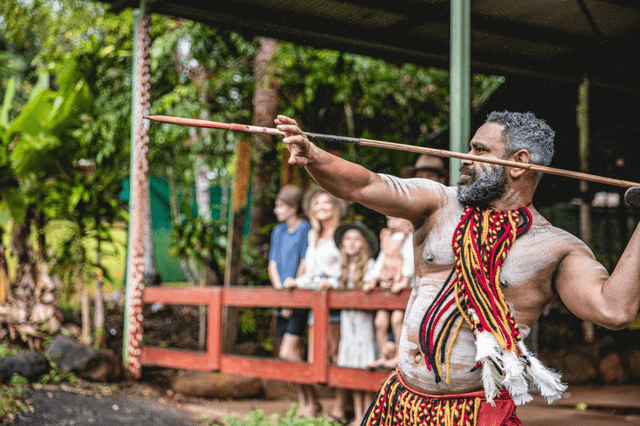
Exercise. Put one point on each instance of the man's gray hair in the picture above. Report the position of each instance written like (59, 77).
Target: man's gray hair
(526, 131)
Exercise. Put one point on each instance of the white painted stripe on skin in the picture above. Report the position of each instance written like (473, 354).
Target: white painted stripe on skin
(512, 195)
(601, 268)
(485, 168)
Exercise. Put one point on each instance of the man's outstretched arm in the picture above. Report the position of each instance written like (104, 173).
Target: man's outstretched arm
(409, 199)
(590, 293)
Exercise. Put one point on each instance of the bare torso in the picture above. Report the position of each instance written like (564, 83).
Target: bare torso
(528, 273)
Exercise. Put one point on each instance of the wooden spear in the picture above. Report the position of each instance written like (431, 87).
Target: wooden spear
(631, 195)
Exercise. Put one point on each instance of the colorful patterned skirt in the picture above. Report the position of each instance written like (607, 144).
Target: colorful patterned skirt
(397, 405)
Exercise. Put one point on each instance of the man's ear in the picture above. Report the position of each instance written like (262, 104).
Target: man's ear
(521, 156)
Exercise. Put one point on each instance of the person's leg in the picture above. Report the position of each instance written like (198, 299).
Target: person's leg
(311, 407)
(358, 407)
(291, 347)
(367, 398)
(291, 350)
(334, 342)
(397, 318)
(337, 412)
(302, 398)
(381, 323)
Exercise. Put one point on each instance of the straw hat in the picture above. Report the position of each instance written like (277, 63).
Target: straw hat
(368, 234)
(425, 162)
(316, 190)
(290, 194)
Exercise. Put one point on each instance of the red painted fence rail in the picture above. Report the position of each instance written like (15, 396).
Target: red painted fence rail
(317, 370)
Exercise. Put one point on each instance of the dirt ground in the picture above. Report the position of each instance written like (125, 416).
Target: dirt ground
(151, 402)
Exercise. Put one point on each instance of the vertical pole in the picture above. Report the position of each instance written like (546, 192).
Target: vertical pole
(582, 120)
(460, 86)
(132, 177)
(139, 187)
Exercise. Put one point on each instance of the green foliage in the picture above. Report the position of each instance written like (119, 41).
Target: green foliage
(5, 350)
(254, 272)
(254, 325)
(358, 96)
(198, 238)
(56, 376)
(247, 322)
(65, 67)
(258, 418)
(11, 399)
(12, 393)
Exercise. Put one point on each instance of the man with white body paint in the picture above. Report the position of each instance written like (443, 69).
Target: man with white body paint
(481, 369)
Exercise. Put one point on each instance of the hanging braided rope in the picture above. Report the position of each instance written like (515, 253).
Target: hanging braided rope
(480, 245)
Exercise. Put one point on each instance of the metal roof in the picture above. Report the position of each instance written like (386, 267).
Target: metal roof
(558, 39)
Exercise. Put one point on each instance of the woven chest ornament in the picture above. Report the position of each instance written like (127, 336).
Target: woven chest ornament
(472, 295)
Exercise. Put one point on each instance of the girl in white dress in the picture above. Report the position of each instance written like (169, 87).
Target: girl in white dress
(358, 245)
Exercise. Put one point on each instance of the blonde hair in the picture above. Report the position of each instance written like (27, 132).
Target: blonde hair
(316, 225)
(361, 260)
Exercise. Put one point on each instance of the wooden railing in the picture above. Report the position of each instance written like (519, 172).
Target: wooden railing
(317, 370)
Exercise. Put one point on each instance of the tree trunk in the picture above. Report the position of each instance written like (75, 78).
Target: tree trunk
(45, 314)
(85, 304)
(98, 319)
(265, 156)
(582, 120)
(85, 336)
(25, 280)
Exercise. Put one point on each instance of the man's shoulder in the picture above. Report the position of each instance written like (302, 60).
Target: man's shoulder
(551, 236)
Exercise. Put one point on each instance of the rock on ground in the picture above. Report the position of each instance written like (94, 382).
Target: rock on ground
(215, 385)
(85, 361)
(30, 365)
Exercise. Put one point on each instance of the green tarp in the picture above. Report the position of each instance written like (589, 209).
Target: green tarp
(168, 267)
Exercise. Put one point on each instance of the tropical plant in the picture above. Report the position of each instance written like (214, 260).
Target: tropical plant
(49, 151)
(202, 239)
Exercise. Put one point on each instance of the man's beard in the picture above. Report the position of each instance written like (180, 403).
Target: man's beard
(482, 188)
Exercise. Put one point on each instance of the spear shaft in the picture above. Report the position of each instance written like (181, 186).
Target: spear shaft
(395, 146)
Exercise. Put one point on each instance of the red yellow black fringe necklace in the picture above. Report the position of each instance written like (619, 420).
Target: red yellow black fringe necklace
(480, 244)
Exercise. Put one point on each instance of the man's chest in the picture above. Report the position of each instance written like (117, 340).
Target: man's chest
(532, 260)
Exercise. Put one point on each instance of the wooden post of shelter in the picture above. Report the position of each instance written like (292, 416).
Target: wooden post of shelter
(582, 121)
(139, 188)
(460, 82)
